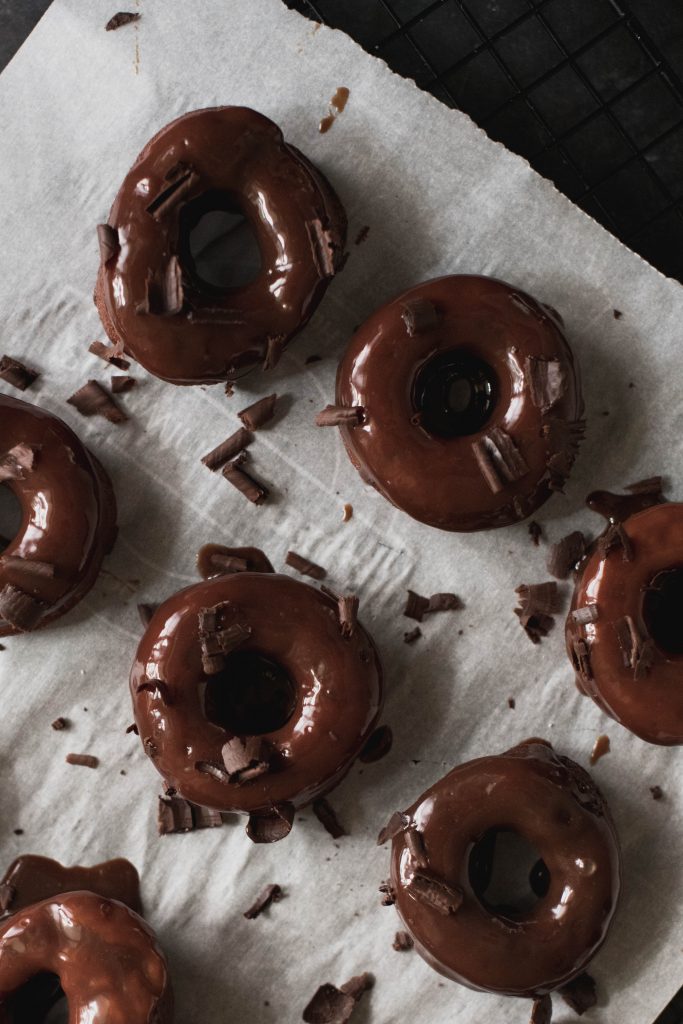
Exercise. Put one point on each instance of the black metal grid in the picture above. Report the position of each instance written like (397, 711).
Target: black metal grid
(578, 87)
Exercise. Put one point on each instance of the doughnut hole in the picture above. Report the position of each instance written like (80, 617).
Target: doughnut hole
(40, 1001)
(10, 516)
(663, 611)
(218, 247)
(454, 394)
(251, 696)
(507, 874)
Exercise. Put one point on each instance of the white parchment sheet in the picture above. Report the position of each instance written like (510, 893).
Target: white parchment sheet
(76, 106)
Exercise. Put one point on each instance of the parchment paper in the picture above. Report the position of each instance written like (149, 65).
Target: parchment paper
(76, 105)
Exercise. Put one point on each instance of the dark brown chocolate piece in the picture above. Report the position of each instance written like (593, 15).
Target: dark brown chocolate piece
(614, 538)
(173, 293)
(146, 611)
(331, 1005)
(512, 703)
(271, 894)
(217, 641)
(581, 657)
(176, 815)
(617, 314)
(539, 598)
(228, 449)
(347, 512)
(108, 240)
(657, 792)
(615, 508)
(255, 492)
(327, 817)
(362, 234)
(436, 893)
(638, 650)
(402, 942)
(417, 606)
(59, 724)
(206, 817)
(17, 374)
(246, 758)
(535, 532)
(600, 748)
(21, 610)
(28, 566)
(305, 566)
(416, 847)
(275, 346)
(133, 729)
(338, 415)
(542, 1010)
(419, 316)
(499, 459)
(564, 556)
(348, 614)
(546, 380)
(378, 746)
(83, 760)
(398, 822)
(324, 248)
(216, 560)
(17, 462)
(652, 485)
(110, 354)
(259, 413)
(121, 384)
(580, 994)
(122, 18)
(93, 400)
(412, 635)
(173, 194)
(271, 827)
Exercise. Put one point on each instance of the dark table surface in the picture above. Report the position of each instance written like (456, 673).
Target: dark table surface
(566, 58)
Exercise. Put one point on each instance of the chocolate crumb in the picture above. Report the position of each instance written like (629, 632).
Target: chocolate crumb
(17, 374)
(436, 893)
(331, 1005)
(542, 1010)
(347, 513)
(122, 18)
(564, 556)
(271, 894)
(339, 415)
(146, 611)
(617, 314)
(535, 532)
(362, 234)
(108, 240)
(59, 724)
(254, 491)
(327, 817)
(228, 449)
(93, 400)
(402, 942)
(512, 703)
(419, 316)
(417, 607)
(600, 748)
(270, 828)
(83, 760)
(259, 413)
(110, 354)
(121, 384)
(305, 566)
(412, 635)
(348, 614)
(657, 792)
(580, 994)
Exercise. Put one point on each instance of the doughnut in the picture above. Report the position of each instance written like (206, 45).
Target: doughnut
(254, 693)
(68, 517)
(624, 632)
(442, 871)
(156, 299)
(94, 951)
(460, 402)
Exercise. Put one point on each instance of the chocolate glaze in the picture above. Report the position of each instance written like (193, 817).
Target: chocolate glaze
(439, 480)
(337, 686)
(106, 958)
(298, 222)
(256, 560)
(34, 878)
(556, 807)
(642, 693)
(68, 511)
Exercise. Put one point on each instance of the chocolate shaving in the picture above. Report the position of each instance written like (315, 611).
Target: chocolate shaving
(8, 894)
(254, 491)
(172, 194)
(146, 611)
(535, 532)
(412, 635)
(651, 485)
(564, 556)
(580, 994)
(657, 792)
(108, 241)
(228, 449)
(417, 607)
(328, 818)
(538, 599)
(615, 537)
(59, 724)
(638, 651)
(305, 566)
(398, 822)
(93, 400)
(416, 847)
(156, 686)
(214, 770)
(133, 729)
(546, 381)
(324, 248)
(564, 438)
(110, 355)
(581, 658)
(434, 892)
(17, 374)
(173, 287)
(419, 316)
(122, 18)
(206, 817)
(259, 413)
(332, 1005)
(535, 626)
(271, 827)
(17, 462)
(28, 566)
(271, 894)
(542, 1010)
(216, 642)
(499, 459)
(388, 895)
(402, 942)
(174, 816)
(83, 760)
(339, 415)
(21, 610)
(348, 614)
(275, 346)
(245, 759)
(358, 985)
(378, 745)
(121, 384)
(582, 616)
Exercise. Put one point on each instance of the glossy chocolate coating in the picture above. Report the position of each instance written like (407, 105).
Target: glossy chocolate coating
(109, 965)
(220, 333)
(337, 685)
(556, 807)
(34, 878)
(650, 706)
(68, 511)
(438, 480)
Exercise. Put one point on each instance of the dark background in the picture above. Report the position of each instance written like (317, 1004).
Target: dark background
(588, 90)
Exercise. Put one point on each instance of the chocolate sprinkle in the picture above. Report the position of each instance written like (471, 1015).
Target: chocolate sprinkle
(339, 415)
(499, 459)
(228, 449)
(270, 828)
(419, 316)
(417, 607)
(255, 492)
(17, 374)
(546, 381)
(108, 240)
(580, 994)
(638, 651)
(535, 532)
(305, 566)
(327, 817)
(83, 760)
(259, 413)
(564, 556)
(110, 355)
(121, 384)
(542, 1010)
(245, 759)
(59, 724)
(412, 635)
(657, 792)
(21, 610)
(378, 745)
(17, 462)
(122, 18)
(402, 942)
(348, 614)
(434, 892)
(332, 1005)
(271, 894)
(398, 822)
(93, 400)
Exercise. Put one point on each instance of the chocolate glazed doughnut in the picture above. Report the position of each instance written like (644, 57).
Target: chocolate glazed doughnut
(624, 631)
(460, 402)
(255, 693)
(95, 951)
(68, 517)
(442, 853)
(151, 298)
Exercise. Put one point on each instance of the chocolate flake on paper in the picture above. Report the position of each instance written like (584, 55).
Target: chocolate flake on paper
(93, 400)
(327, 817)
(17, 374)
(110, 354)
(305, 566)
(258, 413)
(271, 894)
(228, 449)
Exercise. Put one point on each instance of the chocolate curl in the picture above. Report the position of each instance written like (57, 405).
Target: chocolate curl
(582, 616)
(324, 248)
(348, 614)
(417, 606)
(613, 538)
(398, 822)
(402, 942)
(541, 1010)
(305, 566)
(419, 316)
(539, 598)
(16, 374)
(271, 826)
(173, 194)
(339, 415)
(173, 292)
(19, 609)
(327, 817)
(245, 758)
(581, 659)
(388, 894)
(416, 847)
(564, 556)
(122, 18)
(638, 651)
(228, 449)
(435, 893)
(332, 1005)
(93, 400)
(83, 760)
(17, 462)
(110, 354)
(546, 381)
(176, 815)
(254, 491)
(499, 459)
(28, 567)
(275, 346)
(259, 413)
(108, 241)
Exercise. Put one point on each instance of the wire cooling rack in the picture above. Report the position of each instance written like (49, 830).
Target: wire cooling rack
(578, 87)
